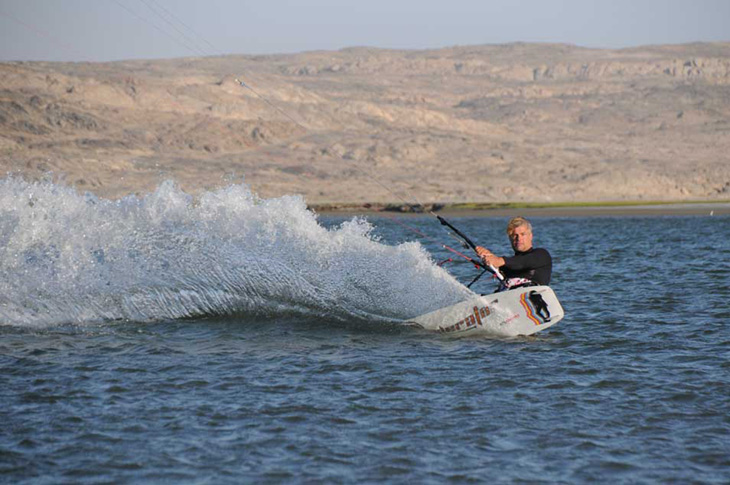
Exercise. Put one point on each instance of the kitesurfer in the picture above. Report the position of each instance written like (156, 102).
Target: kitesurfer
(529, 265)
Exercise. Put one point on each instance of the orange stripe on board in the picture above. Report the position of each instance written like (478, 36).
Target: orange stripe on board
(528, 309)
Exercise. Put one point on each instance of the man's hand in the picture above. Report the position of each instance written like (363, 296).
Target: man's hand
(483, 252)
(489, 258)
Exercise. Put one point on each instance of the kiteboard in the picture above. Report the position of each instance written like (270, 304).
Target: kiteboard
(520, 311)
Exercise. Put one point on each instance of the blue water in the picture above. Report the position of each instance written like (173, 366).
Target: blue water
(140, 384)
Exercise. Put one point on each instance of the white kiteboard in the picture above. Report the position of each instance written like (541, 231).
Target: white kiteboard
(521, 311)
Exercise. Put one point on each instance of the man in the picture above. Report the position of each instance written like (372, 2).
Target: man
(529, 265)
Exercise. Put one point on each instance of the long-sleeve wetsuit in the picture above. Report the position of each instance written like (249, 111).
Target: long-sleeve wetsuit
(535, 264)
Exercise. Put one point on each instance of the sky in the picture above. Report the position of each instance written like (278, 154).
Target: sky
(108, 30)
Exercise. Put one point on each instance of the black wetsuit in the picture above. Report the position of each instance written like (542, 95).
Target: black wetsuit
(534, 264)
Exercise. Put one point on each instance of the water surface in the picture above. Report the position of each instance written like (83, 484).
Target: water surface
(631, 386)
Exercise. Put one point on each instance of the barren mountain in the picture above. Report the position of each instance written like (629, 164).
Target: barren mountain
(517, 122)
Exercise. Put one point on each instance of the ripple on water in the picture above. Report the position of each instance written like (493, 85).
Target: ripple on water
(632, 386)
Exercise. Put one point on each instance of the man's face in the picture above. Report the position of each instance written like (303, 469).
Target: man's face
(521, 238)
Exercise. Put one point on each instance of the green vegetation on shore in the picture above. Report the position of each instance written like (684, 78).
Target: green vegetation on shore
(487, 206)
(558, 205)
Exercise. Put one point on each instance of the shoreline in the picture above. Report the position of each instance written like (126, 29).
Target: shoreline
(696, 208)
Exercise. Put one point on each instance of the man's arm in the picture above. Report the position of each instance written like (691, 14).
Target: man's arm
(489, 258)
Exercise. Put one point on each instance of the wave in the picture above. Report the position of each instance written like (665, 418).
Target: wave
(67, 257)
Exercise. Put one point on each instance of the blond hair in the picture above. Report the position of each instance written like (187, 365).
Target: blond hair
(516, 222)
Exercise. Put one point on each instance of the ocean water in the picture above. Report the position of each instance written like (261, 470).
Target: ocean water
(229, 339)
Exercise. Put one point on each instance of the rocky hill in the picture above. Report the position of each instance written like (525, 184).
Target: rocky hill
(516, 122)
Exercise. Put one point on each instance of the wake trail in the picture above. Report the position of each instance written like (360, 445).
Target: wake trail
(76, 258)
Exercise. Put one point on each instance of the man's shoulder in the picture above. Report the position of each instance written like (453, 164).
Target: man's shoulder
(534, 250)
(542, 252)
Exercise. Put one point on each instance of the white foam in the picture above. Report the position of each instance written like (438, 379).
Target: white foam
(67, 257)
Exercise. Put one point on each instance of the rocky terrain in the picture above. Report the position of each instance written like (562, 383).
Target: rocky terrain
(497, 123)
